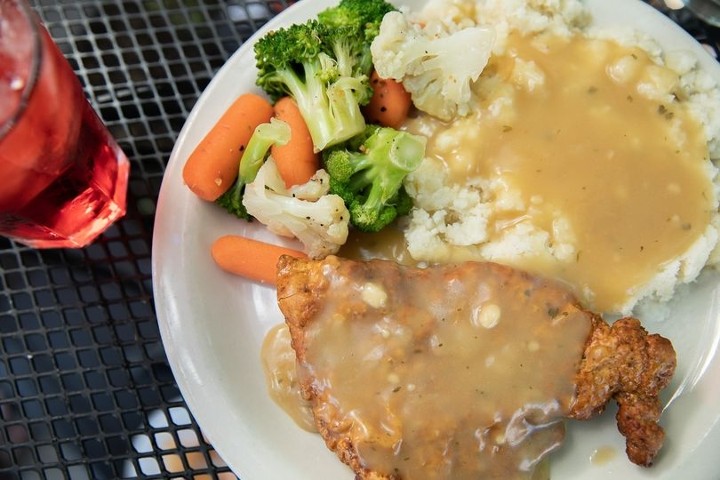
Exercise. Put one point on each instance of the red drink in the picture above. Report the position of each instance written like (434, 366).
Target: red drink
(63, 179)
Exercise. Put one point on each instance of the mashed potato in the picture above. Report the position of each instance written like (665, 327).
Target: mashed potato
(485, 204)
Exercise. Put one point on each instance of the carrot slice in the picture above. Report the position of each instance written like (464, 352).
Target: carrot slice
(296, 160)
(212, 167)
(250, 258)
(390, 103)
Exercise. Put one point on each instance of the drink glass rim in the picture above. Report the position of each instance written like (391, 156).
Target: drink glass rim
(29, 15)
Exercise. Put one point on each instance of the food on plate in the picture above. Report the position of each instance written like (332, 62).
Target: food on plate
(252, 158)
(390, 103)
(324, 64)
(212, 167)
(621, 361)
(317, 75)
(249, 258)
(368, 171)
(436, 66)
(308, 212)
(567, 150)
(297, 160)
(278, 359)
(585, 154)
(461, 371)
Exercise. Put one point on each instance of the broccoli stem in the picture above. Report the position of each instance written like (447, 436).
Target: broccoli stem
(265, 136)
(331, 111)
(253, 157)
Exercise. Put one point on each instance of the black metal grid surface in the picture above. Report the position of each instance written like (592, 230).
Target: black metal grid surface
(85, 387)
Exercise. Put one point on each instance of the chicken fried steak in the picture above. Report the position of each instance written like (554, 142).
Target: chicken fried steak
(461, 371)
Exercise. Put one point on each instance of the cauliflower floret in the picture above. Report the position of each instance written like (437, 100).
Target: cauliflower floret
(307, 212)
(436, 66)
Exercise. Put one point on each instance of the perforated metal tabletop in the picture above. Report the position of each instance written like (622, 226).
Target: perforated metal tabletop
(85, 387)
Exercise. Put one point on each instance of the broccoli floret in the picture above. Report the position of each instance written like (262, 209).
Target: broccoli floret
(365, 15)
(324, 65)
(265, 136)
(367, 172)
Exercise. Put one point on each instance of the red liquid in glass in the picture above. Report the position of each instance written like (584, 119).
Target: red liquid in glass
(63, 179)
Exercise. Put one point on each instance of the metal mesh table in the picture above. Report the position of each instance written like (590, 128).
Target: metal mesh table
(85, 388)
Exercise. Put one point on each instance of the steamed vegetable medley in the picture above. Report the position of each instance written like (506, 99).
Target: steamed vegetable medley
(322, 152)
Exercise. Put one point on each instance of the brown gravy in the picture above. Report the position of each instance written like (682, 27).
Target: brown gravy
(603, 455)
(387, 244)
(627, 172)
(278, 360)
(453, 372)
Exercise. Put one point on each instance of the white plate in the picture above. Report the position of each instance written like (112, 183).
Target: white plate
(213, 323)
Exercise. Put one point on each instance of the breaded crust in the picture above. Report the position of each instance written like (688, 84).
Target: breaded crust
(623, 362)
(620, 361)
(299, 286)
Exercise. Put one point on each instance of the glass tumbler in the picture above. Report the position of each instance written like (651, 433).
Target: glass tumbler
(63, 179)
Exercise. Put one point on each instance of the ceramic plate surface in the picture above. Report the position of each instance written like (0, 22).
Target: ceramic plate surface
(213, 323)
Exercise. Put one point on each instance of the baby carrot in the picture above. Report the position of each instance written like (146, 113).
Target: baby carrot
(249, 258)
(296, 160)
(390, 103)
(212, 167)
